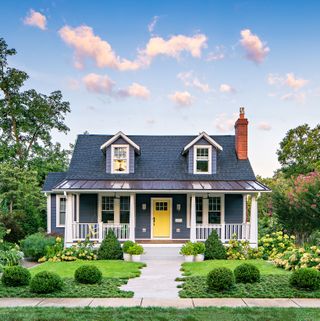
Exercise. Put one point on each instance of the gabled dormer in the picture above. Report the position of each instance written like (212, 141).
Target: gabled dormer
(202, 155)
(120, 153)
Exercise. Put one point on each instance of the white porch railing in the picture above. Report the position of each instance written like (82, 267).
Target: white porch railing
(97, 231)
(224, 231)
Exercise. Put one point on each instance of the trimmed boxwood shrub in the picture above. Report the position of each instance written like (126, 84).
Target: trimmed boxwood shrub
(305, 278)
(88, 274)
(215, 250)
(15, 276)
(247, 273)
(110, 248)
(220, 279)
(46, 282)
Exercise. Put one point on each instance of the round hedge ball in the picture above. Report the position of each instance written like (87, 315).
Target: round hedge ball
(88, 274)
(220, 279)
(46, 282)
(15, 276)
(305, 278)
(247, 273)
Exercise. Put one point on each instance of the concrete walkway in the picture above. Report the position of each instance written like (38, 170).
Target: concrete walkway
(157, 279)
(165, 303)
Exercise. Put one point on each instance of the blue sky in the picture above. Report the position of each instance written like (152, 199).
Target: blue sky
(174, 67)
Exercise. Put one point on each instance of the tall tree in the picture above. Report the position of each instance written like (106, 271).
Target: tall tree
(299, 151)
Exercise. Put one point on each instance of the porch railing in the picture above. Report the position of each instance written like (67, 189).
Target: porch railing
(224, 231)
(97, 231)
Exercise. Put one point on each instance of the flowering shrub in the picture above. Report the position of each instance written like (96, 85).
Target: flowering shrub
(272, 244)
(241, 250)
(299, 258)
(82, 250)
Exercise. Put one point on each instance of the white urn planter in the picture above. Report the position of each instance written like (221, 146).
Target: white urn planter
(188, 258)
(127, 257)
(199, 257)
(136, 258)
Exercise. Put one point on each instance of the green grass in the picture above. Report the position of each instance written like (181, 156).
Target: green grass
(153, 314)
(108, 288)
(270, 286)
(109, 268)
(203, 268)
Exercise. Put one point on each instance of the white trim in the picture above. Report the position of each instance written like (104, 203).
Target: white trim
(116, 137)
(112, 158)
(169, 199)
(58, 197)
(244, 214)
(207, 138)
(49, 213)
(132, 219)
(209, 147)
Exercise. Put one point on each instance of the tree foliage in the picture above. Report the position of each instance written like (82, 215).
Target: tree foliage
(299, 151)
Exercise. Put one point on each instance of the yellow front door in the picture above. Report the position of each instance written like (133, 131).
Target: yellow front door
(161, 218)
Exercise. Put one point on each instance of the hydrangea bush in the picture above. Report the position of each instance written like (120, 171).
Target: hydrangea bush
(241, 250)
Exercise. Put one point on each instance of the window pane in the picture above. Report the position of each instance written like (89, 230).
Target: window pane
(202, 153)
(199, 210)
(62, 211)
(202, 166)
(124, 209)
(107, 206)
(120, 165)
(107, 217)
(214, 210)
(120, 159)
(120, 152)
(214, 218)
(124, 217)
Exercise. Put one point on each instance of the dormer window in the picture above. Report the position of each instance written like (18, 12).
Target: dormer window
(202, 159)
(120, 159)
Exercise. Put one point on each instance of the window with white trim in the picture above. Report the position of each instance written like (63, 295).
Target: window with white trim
(61, 210)
(202, 159)
(125, 209)
(214, 211)
(199, 210)
(120, 159)
(107, 209)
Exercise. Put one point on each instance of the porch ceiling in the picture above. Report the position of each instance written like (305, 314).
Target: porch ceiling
(155, 185)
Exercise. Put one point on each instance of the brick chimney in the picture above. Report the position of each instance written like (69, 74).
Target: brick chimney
(241, 131)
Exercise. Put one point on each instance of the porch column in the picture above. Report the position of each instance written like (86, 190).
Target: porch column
(132, 216)
(69, 219)
(254, 222)
(193, 235)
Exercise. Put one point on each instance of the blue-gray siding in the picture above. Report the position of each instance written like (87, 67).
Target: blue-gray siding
(120, 141)
(54, 228)
(88, 208)
(233, 208)
(202, 141)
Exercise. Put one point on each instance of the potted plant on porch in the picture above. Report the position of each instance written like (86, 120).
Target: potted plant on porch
(187, 251)
(135, 251)
(125, 247)
(199, 249)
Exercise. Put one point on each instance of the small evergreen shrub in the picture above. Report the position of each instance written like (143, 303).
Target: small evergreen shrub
(215, 250)
(135, 249)
(306, 278)
(15, 276)
(220, 279)
(46, 282)
(246, 273)
(110, 248)
(199, 248)
(88, 274)
(126, 245)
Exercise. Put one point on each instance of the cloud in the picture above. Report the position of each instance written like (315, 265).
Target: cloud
(225, 123)
(274, 79)
(190, 80)
(88, 45)
(225, 88)
(299, 98)
(256, 50)
(73, 83)
(98, 84)
(295, 83)
(135, 90)
(264, 126)
(218, 54)
(182, 98)
(153, 23)
(36, 19)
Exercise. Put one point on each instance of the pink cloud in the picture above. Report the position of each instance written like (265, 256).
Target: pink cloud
(225, 88)
(225, 123)
(190, 80)
(183, 98)
(135, 90)
(153, 23)
(255, 49)
(295, 83)
(264, 126)
(299, 98)
(35, 19)
(98, 84)
(217, 54)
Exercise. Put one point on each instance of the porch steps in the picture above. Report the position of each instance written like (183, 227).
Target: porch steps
(155, 252)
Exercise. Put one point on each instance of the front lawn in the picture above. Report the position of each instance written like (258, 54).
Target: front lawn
(109, 268)
(151, 314)
(203, 268)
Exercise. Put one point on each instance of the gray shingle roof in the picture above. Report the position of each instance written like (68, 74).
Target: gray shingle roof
(160, 159)
(52, 180)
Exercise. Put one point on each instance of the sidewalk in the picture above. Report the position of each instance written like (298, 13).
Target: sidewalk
(164, 303)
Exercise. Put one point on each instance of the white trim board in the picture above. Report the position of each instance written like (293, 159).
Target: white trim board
(207, 138)
(116, 137)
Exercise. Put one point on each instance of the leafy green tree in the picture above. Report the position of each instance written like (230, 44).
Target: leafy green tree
(299, 151)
